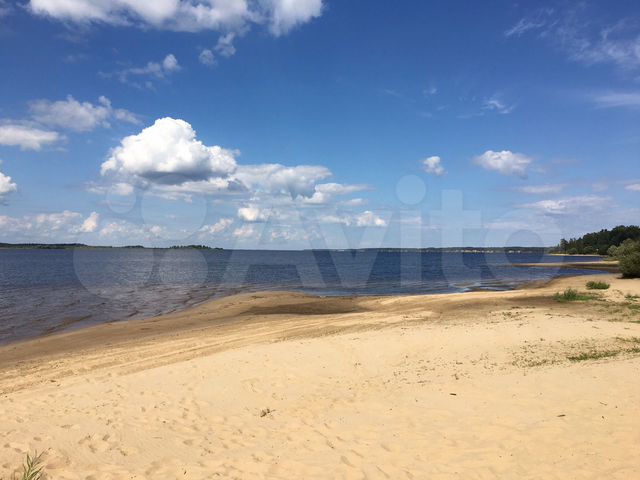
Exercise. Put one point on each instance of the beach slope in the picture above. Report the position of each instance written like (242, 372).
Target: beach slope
(279, 385)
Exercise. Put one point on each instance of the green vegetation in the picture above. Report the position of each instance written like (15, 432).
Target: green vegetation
(628, 255)
(597, 286)
(598, 243)
(594, 355)
(572, 295)
(196, 247)
(31, 469)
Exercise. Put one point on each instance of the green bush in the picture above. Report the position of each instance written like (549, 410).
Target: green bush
(628, 255)
(598, 286)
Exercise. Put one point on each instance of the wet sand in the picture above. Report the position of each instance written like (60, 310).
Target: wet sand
(281, 385)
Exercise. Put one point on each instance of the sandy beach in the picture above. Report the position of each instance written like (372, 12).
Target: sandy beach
(479, 385)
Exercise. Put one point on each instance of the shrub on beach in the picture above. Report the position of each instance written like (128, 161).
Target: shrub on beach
(572, 295)
(598, 286)
(628, 255)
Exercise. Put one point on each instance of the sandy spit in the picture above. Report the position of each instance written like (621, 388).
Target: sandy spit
(480, 385)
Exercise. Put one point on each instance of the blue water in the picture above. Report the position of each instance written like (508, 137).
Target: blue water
(45, 291)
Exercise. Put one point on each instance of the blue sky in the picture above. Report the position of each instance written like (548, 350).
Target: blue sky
(317, 123)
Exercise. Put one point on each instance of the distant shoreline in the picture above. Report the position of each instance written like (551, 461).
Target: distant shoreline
(82, 246)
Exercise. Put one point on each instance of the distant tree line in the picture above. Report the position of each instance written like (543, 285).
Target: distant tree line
(603, 242)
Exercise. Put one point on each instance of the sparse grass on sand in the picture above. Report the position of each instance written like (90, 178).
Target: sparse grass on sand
(597, 285)
(31, 469)
(573, 295)
(593, 355)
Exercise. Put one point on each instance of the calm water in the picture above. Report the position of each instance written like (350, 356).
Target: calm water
(44, 291)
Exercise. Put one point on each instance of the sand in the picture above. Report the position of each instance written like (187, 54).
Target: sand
(476, 385)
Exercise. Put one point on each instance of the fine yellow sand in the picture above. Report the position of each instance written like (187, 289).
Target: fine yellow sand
(483, 385)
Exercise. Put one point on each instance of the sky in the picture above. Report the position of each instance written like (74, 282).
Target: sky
(295, 124)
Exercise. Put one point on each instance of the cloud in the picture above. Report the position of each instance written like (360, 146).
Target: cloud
(570, 205)
(59, 226)
(433, 166)
(252, 213)
(541, 189)
(150, 72)
(285, 15)
(27, 136)
(584, 37)
(635, 187)
(326, 192)
(497, 105)
(245, 231)
(220, 226)
(90, 224)
(7, 186)
(207, 58)
(281, 16)
(364, 219)
(167, 153)
(504, 162)
(5, 8)
(79, 116)
(369, 219)
(225, 45)
(274, 178)
(616, 99)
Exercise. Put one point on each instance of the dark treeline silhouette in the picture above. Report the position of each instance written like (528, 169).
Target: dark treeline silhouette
(598, 243)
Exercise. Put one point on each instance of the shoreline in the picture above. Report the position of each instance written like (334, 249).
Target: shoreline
(70, 327)
(221, 313)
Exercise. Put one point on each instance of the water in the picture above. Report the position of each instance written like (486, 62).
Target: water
(45, 291)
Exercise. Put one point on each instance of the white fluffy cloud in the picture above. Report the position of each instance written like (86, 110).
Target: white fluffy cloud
(252, 213)
(27, 137)
(79, 116)
(220, 226)
(168, 153)
(369, 219)
(274, 178)
(287, 14)
(7, 186)
(433, 165)
(635, 187)
(570, 205)
(90, 224)
(504, 162)
(54, 227)
(183, 15)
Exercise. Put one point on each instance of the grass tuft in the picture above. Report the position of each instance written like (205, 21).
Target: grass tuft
(572, 295)
(593, 355)
(31, 469)
(597, 285)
